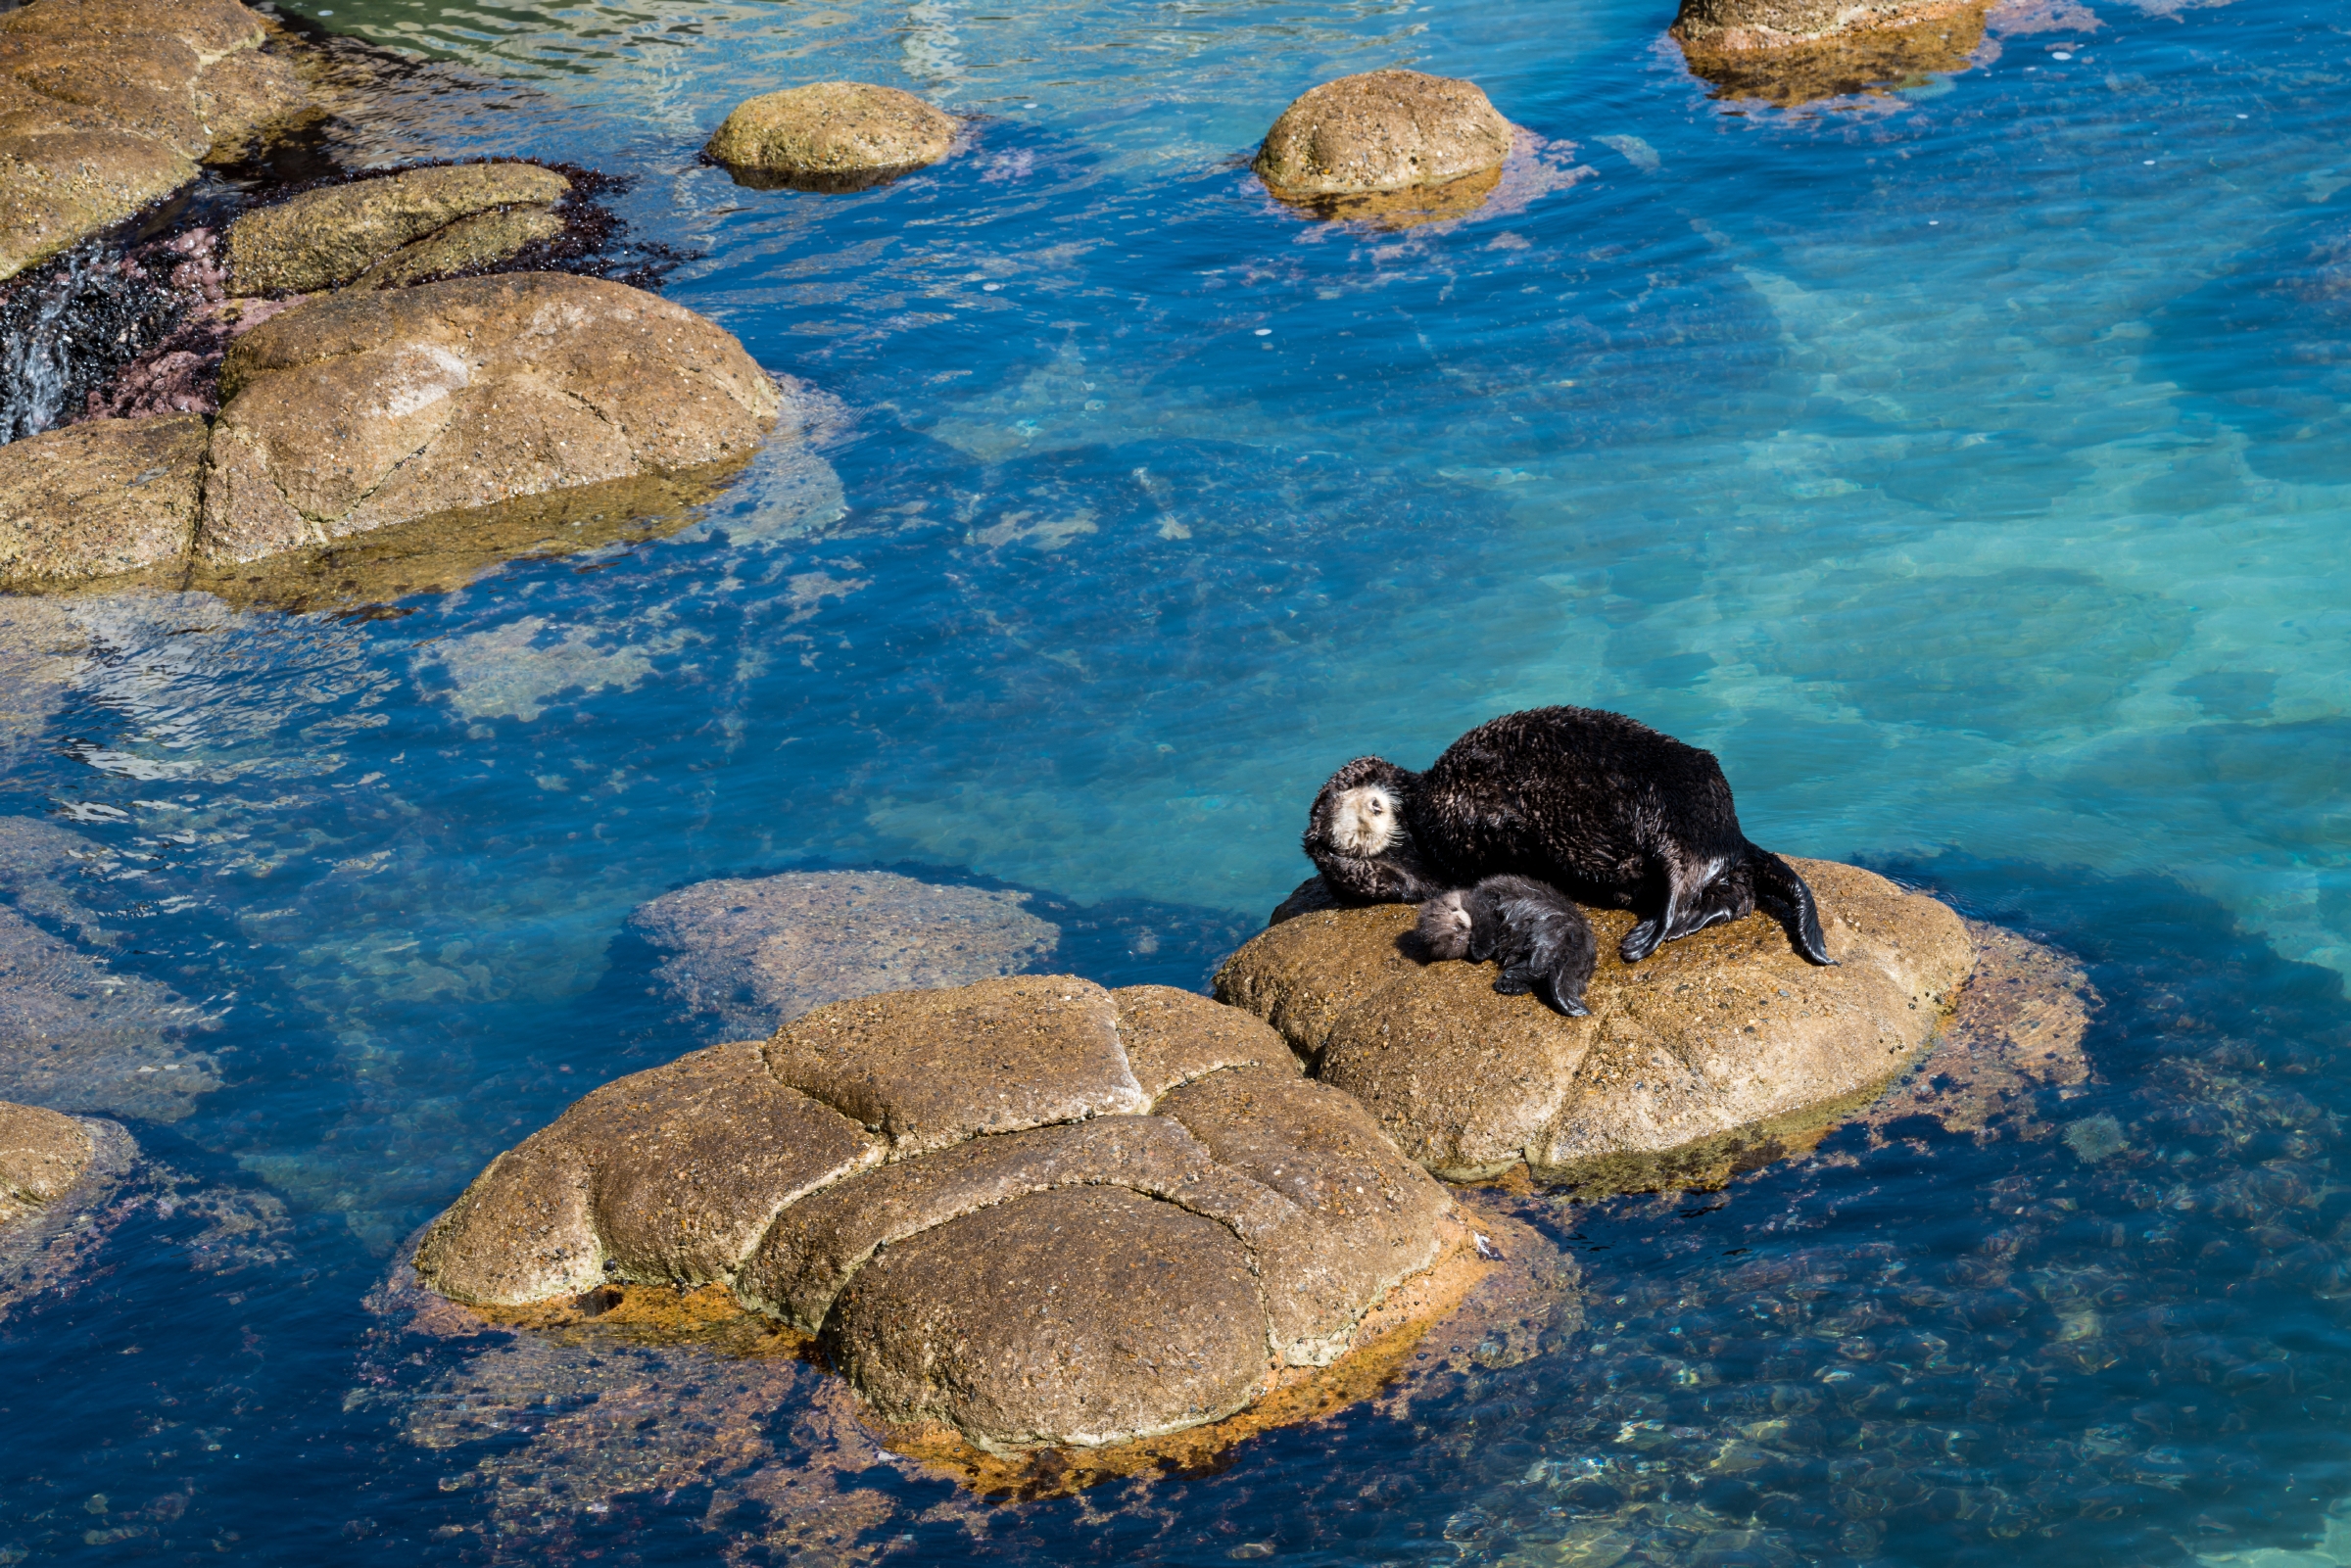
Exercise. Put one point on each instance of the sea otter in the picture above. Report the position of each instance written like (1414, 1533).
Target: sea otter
(1599, 805)
(1541, 939)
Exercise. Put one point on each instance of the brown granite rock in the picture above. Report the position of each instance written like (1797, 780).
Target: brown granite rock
(1382, 131)
(99, 498)
(394, 228)
(363, 410)
(1791, 52)
(107, 105)
(1698, 1060)
(1082, 1317)
(1052, 1253)
(759, 951)
(930, 1069)
(830, 137)
(42, 1154)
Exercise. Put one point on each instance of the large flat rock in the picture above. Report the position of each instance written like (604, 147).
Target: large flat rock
(107, 106)
(1707, 1055)
(365, 410)
(1025, 1210)
(100, 499)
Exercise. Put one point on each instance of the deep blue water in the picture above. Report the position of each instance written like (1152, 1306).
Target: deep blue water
(1965, 467)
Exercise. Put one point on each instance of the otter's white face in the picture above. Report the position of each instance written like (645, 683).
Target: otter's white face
(1366, 820)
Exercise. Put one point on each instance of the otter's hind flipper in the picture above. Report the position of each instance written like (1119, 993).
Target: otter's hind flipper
(1781, 894)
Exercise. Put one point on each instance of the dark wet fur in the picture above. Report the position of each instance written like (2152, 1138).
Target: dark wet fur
(1396, 876)
(1541, 938)
(1596, 804)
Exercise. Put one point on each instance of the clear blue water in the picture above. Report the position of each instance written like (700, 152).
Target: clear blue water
(1967, 467)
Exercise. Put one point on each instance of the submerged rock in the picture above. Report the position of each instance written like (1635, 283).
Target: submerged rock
(41, 649)
(1386, 134)
(100, 499)
(1793, 51)
(75, 1034)
(395, 230)
(42, 1154)
(109, 105)
(759, 951)
(1710, 1056)
(830, 137)
(365, 410)
(1027, 1211)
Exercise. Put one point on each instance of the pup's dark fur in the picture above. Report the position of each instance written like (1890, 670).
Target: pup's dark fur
(1597, 804)
(1541, 939)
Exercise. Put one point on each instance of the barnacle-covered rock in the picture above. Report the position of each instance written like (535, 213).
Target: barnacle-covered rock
(830, 137)
(1715, 1053)
(1028, 1211)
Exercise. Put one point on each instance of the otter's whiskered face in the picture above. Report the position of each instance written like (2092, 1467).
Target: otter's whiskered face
(1445, 925)
(1366, 820)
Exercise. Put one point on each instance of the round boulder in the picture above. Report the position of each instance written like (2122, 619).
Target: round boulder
(1383, 132)
(1028, 1210)
(395, 230)
(1790, 51)
(366, 409)
(830, 137)
(1714, 1054)
(42, 1154)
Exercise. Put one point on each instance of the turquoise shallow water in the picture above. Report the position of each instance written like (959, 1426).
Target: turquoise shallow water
(1965, 467)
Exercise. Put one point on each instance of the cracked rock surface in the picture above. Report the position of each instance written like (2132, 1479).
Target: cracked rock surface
(1029, 1209)
(1718, 1052)
(394, 230)
(109, 105)
(368, 409)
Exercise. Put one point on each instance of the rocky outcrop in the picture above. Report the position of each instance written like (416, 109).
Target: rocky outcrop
(480, 408)
(1028, 1210)
(42, 1154)
(759, 951)
(1790, 51)
(100, 499)
(365, 408)
(830, 137)
(395, 230)
(1710, 1056)
(1365, 145)
(109, 105)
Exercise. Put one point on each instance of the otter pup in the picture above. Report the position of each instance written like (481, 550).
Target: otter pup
(1541, 940)
(1595, 803)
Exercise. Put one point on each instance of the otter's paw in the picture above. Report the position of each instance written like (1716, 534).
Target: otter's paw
(1641, 941)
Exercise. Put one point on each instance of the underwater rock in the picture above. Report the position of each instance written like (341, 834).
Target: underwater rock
(99, 498)
(74, 1035)
(1384, 133)
(1704, 1059)
(394, 230)
(109, 105)
(830, 137)
(1790, 51)
(1024, 1212)
(364, 409)
(42, 1154)
(41, 649)
(759, 951)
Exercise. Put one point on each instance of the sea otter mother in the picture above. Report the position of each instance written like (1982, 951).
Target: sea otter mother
(1601, 806)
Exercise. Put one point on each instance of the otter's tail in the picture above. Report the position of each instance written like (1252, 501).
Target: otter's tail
(1781, 894)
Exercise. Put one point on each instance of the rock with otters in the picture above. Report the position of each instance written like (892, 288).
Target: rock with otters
(1715, 1053)
(1028, 1212)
